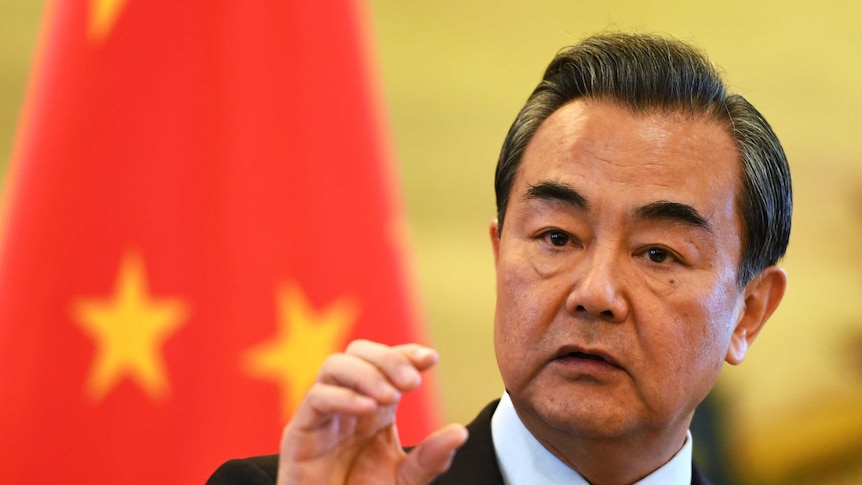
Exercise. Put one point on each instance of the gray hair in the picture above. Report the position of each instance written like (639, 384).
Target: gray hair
(646, 73)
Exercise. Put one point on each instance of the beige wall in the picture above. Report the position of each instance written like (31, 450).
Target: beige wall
(454, 74)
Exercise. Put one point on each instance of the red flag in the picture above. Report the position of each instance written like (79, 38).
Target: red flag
(199, 210)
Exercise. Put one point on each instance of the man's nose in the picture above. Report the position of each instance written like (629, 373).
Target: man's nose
(597, 287)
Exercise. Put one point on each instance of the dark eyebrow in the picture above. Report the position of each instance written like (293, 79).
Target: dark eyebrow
(560, 192)
(673, 212)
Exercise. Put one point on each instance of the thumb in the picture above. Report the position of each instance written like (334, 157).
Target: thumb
(433, 456)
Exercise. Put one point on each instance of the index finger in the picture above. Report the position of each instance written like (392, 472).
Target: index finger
(401, 364)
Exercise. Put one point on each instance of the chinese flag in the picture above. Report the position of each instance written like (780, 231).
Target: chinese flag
(199, 210)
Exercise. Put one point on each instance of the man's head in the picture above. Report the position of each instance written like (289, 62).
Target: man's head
(622, 279)
(646, 73)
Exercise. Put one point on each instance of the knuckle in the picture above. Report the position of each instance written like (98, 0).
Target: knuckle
(316, 393)
(357, 346)
(330, 364)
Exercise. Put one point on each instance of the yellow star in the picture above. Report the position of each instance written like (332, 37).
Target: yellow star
(304, 339)
(128, 329)
(103, 15)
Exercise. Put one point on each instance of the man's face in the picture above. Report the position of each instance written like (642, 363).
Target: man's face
(617, 298)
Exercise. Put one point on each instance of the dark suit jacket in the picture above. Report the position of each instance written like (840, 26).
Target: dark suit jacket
(474, 464)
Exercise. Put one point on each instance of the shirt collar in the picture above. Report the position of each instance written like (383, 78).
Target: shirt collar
(524, 461)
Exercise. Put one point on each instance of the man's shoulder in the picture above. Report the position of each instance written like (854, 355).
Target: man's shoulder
(257, 470)
(697, 476)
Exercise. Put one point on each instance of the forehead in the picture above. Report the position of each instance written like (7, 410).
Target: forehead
(608, 152)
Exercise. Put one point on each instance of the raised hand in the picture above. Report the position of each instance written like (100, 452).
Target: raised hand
(344, 430)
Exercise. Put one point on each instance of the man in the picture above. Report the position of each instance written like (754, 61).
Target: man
(641, 214)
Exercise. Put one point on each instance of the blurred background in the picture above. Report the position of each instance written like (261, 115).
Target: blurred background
(452, 75)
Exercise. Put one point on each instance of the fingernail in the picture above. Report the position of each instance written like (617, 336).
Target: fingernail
(424, 353)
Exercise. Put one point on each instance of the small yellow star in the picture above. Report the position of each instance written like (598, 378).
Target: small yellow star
(128, 329)
(304, 339)
(103, 15)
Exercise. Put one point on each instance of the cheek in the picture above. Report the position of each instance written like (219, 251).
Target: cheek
(510, 346)
(703, 331)
(681, 364)
(725, 308)
(522, 290)
(525, 308)
(513, 311)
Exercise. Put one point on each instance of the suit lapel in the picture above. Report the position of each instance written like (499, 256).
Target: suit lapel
(475, 462)
(697, 476)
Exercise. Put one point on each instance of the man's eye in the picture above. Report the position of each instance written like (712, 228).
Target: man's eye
(557, 238)
(657, 255)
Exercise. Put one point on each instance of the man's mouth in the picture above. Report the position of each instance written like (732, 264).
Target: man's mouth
(582, 355)
(587, 354)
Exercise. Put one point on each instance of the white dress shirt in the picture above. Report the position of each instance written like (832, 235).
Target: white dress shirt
(524, 461)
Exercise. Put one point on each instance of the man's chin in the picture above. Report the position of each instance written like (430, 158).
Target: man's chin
(584, 418)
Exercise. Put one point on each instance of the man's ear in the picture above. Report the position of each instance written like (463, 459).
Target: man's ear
(495, 239)
(762, 296)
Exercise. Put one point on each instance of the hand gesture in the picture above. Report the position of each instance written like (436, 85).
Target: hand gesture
(344, 430)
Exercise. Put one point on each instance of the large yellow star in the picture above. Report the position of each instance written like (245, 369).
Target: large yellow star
(304, 339)
(129, 328)
(103, 15)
